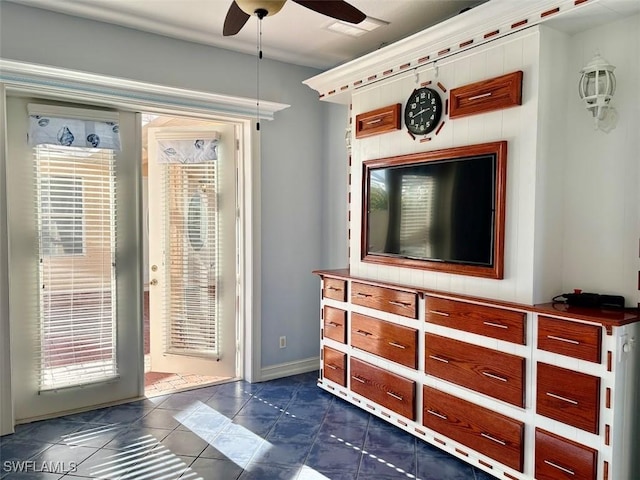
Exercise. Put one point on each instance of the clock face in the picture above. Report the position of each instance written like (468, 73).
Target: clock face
(423, 111)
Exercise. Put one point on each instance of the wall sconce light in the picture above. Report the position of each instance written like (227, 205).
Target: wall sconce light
(596, 88)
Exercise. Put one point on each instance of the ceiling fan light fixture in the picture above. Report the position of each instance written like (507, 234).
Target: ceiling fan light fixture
(251, 7)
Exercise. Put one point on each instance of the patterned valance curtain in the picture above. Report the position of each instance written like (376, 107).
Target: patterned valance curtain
(201, 150)
(73, 127)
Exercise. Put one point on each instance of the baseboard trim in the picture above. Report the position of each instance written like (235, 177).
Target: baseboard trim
(289, 368)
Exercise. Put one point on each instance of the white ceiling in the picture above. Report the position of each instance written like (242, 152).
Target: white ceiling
(295, 35)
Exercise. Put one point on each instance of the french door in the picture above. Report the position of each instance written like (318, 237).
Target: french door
(75, 294)
(192, 250)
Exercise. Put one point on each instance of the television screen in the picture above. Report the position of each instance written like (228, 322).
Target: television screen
(442, 210)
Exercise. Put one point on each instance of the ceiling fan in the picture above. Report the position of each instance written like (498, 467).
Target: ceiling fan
(240, 11)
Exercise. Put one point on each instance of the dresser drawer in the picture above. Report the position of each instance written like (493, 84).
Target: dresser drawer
(394, 342)
(385, 299)
(558, 458)
(499, 375)
(384, 388)
(578, 340)
(487, 432)
(334, 289)
(335, 324)
(381, 120)
(488, 321)
(487, 95)
(569, 397)
(335, 365)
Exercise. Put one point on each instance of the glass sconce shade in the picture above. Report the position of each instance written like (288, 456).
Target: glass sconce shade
(597, 85)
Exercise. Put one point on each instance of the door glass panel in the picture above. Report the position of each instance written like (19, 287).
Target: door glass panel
(75, 212)
(192, 268)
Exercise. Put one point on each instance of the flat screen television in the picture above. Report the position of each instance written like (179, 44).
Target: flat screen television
(441, 210)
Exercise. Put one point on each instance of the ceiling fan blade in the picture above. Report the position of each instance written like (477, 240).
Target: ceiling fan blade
(337, 9)
(235, 20)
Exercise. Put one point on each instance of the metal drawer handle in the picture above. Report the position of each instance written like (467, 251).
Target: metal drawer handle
(334, 288)
(362, 333)
(358, 379)
(399, 304)
(562, 339)
(477, 97)
(371, 122)
(332, 367)
(397, 345)
(564, 399)
(334, 324)
(363, 295)
(440, 359)
(436, 414)
(496, 325)
(438, 312)
(495, 377)
(555, 465)
(493, 439)
(397, 397)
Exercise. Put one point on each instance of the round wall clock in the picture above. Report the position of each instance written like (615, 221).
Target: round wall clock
(423, 111)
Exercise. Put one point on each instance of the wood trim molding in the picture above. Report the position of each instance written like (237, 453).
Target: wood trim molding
(485, 23)
(496, 270)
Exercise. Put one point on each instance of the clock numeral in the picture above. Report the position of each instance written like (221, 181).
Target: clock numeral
(414, 105)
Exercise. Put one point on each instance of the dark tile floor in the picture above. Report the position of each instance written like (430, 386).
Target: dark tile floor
(283, 429)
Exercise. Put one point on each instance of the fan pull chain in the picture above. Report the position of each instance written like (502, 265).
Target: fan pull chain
(259, 43)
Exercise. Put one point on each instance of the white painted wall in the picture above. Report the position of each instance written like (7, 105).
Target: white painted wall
(555, 87)
(602, 173)
(517, 126)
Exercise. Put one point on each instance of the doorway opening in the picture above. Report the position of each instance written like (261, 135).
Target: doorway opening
(190, 325)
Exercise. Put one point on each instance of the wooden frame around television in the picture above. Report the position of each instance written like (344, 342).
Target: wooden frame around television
(495, 271)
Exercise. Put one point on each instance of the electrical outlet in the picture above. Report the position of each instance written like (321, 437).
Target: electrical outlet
(283, 342)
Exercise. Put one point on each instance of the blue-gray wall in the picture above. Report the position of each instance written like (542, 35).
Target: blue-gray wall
(299, 187)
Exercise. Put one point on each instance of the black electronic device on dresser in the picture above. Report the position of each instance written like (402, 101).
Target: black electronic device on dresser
(578, 298)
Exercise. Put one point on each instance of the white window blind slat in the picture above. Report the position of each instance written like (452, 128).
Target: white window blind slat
(77, 239)
(415, 221)
(191, 248)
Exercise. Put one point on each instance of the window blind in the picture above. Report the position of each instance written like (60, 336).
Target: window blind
(76, 221)
(191, 228)
(415, 222)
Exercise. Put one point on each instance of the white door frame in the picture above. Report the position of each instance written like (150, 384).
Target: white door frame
(6, 400)
(225, 279)
(59, 83)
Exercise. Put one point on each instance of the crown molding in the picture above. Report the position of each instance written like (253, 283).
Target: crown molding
(482, 24)
(22, 76)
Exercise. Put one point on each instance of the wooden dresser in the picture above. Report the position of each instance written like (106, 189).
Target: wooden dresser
(521, 392)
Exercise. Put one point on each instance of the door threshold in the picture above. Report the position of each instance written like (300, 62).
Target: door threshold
(160, 383)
